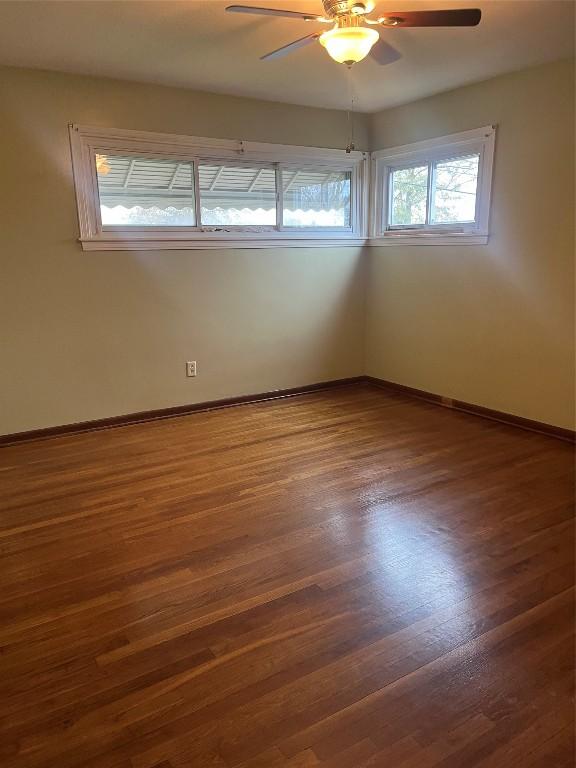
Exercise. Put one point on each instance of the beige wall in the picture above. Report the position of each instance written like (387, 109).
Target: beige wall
(492, 325)
(85, 335)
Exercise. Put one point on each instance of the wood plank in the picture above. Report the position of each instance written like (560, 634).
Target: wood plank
(350, 578)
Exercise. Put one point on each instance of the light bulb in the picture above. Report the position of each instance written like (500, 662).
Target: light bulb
(348, 45)
(102, 165)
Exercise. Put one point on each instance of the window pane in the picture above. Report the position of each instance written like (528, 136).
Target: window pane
(237, 195)
(316, 198)
(409, 191)
(455, 183)
(145, 192)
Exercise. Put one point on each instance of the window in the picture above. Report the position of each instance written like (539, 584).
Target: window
(434, 192)
(454, 190)
(237, 195)
(142, 190)
(151, 190)
(145, 191)
(408, 196)
(441, 192)
(316, 198)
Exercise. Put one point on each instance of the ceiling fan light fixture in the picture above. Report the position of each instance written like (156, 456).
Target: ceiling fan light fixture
(348, 45)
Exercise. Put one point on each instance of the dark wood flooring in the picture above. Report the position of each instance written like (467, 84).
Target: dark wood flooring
(348, 579)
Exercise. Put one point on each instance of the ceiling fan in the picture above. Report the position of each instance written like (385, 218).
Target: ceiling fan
(352, 38)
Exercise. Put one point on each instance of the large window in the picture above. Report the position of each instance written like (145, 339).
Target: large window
(140, 190)
(434, 191)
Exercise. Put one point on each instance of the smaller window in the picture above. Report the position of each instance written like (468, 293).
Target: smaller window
(440, 192)
(435, 191)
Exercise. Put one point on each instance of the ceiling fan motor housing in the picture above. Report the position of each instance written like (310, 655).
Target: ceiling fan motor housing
(334, 8)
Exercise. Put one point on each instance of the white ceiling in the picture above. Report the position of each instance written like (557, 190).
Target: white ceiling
(195, 44)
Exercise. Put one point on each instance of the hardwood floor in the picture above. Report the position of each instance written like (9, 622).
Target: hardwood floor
(348, 579)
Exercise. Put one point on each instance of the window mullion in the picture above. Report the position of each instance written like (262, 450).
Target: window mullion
(197, 201)
(430, 191)
(279, 198)
(390, 201)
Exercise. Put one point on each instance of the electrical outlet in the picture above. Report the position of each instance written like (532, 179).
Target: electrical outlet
(191, 368)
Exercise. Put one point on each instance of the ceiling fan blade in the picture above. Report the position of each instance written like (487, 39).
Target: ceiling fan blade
(291, 47)
(383, 53)
(274, 12)
(455, 17)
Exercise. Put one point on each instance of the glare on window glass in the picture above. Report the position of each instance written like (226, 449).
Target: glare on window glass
(145, 192)
(409, 190)
(455, 184)
(316, 198)
(237, 195)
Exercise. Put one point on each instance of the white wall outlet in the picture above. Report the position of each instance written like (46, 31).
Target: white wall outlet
(191, 368)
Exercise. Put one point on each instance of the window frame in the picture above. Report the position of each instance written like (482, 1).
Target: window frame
(87, 141)
(480, 141)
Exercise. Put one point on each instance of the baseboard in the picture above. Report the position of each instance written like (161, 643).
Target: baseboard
(166, 413)
(476, 410)
(277, 394)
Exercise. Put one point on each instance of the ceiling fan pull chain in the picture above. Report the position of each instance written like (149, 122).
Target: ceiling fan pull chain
(350, 112)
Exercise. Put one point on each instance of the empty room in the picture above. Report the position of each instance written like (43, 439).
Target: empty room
(287, 392)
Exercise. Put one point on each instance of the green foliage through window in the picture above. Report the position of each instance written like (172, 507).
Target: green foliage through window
(440, 192)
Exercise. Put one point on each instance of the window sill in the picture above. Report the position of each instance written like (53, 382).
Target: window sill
(429, 238)
(186, 244)
(139, 244)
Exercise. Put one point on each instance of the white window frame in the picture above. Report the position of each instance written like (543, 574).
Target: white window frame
(88, 141)
(480, 141)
